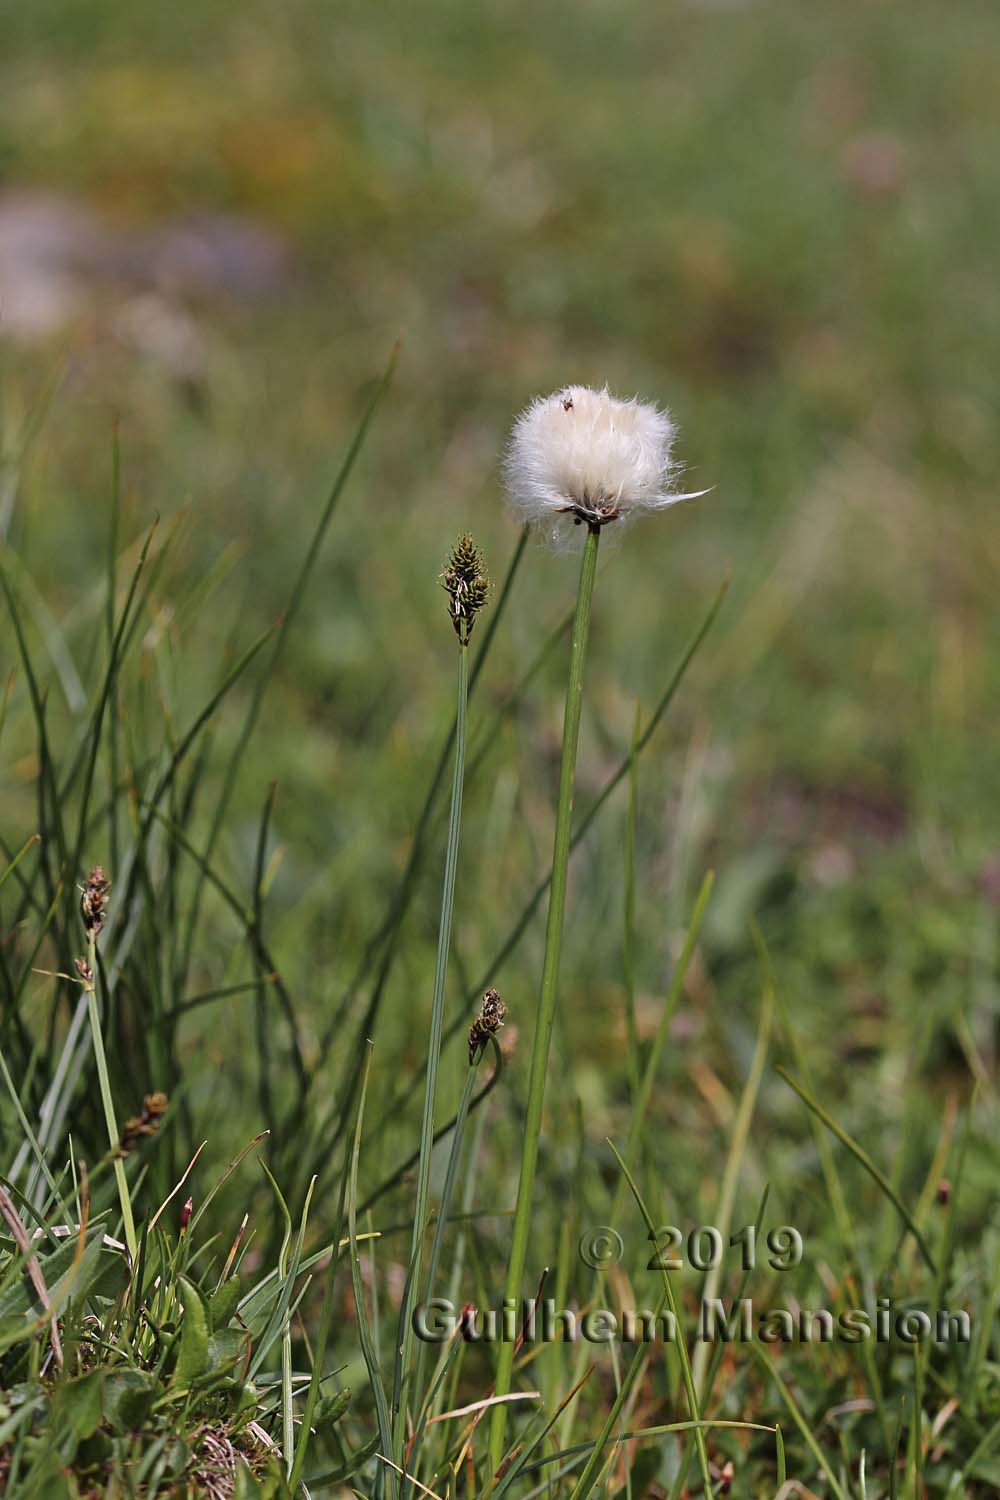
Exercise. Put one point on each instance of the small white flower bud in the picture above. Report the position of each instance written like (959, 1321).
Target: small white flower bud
(585, 456)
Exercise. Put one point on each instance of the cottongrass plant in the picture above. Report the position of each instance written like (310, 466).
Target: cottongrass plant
(579, 457)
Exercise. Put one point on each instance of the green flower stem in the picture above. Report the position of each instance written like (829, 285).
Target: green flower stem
(420, 1212)
(550, 978)
(444, 1208)
(93, 1011)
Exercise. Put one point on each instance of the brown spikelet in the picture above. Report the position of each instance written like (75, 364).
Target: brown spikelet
(154, 1107)
(467, 585)
(492, 1013)
(94, 901)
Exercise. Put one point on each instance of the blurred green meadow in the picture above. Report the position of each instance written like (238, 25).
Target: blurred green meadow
(781, 222)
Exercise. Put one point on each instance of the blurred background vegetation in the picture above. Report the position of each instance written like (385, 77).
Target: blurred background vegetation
(781, 221)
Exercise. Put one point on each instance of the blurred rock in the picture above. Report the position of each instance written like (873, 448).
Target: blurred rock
(60, 261)
(218, 255)
(48, 246)
(37, 303)
(49, 231)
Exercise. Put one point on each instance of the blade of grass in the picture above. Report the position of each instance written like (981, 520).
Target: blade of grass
(643, 1094)
(986, 1323)
(946, 1243)
(640, 1106)
(31, 1141)
(734, 1162)
(664, 1429)
(523, 922)
(443, 1130)
(589, 1478)
(831, 1178)
(319, 1354)
(583, 827)
(48, 629)
(361, 1307)
(861, 1156)
(288, 619)
(628, 910)
(796, 1415)
(29, 843)
(135, 857)
(57, 1096)
(386, 939)
(682, 1349)
(114, 528)
(49, 802)
(719, 1347)
(278, 1323)
(444, 1207)
(193, 1002)
(420, 1211)
(516, 1460)
(90, 986)
(97, 721)
(390, 928)
(264, 1049)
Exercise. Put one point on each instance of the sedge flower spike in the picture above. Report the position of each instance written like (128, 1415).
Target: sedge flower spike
(467, 585)
(589, 456)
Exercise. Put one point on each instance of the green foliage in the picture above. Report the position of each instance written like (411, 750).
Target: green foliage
(781, 221)
(149, 1384)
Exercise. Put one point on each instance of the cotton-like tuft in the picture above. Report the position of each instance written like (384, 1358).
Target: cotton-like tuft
(585, 456)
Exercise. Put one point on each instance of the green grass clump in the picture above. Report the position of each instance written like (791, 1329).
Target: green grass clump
(146, 1378)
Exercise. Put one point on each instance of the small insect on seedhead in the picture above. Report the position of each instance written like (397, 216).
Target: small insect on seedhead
(94, 901)
(467, 585)
(492, 1013)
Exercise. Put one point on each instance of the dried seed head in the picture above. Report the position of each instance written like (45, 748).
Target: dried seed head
(586, 457)
(492, 1013)
(467, 585)
(94, 900)
(154, 1107)
(84, 970)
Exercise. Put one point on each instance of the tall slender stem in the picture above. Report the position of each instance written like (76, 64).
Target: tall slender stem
(420, 1212)
(550, 976)
(100, 1057)
(444, 1208)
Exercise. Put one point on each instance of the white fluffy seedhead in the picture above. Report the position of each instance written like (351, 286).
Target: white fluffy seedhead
(584, 456)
